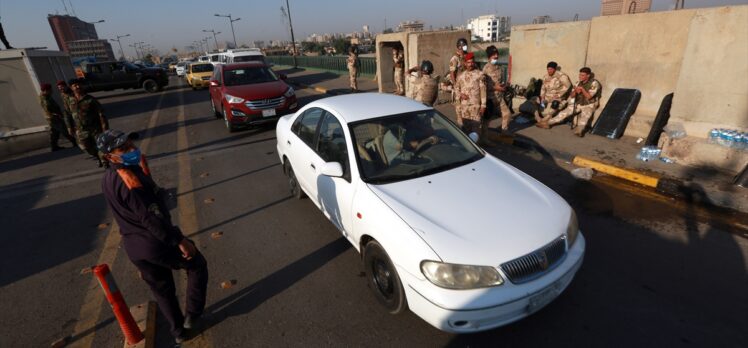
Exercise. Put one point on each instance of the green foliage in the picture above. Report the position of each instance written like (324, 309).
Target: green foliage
(388, 31)
(307, 46)
(341, 46)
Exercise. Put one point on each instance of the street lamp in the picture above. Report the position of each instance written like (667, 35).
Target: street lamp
(137, 54)
(214, 36)
(232, 25)
(93, 24)
(118, 39)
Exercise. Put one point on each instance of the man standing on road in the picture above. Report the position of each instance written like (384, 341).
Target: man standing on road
(352, 63)
(89, 120)
(424, 87)
(553, 94)
(495, 87)
(153, 244)
(399, 62)
(583, 101)
(68, 101)
(471, 91)
(55, 118)
(456, 67)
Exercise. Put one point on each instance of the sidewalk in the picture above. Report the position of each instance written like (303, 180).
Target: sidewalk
(705, 185)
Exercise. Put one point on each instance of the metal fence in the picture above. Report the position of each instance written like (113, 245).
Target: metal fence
(366, 65)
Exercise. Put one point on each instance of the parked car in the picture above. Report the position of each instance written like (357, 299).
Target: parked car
(198, 75)
(181, 68)
(248, 94)
(106, 76)
(442, 226)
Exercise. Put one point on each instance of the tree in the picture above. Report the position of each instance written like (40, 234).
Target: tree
(388, 31)
(341, 46)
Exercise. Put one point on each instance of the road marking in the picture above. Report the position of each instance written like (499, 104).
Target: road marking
(186, 203)
(94, 299)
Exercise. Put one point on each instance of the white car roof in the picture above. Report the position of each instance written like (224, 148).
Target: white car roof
(364, 106)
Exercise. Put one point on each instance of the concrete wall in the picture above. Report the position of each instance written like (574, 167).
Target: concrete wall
(533, 46)
(18, 97)
(712, 88)
(641, 51)
(699, 54)
(436, 46)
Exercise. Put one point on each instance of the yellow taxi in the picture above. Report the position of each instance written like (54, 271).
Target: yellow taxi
(198, 75)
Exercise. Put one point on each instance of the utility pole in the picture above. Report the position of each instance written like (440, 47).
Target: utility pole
(232, 25)
(118, 39)
(214, 36)
(293, 41)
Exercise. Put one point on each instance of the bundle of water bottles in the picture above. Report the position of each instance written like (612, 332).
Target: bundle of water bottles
(648, 153)
(729, 138)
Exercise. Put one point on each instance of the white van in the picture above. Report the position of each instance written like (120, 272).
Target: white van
(240, 55)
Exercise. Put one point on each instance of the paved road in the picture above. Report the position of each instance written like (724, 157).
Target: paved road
(657, 272)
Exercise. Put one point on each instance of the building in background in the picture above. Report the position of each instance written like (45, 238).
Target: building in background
(618, 7)
(408, 26)
(101, 49)
(490, 27)
(542, 19)
(67, 28)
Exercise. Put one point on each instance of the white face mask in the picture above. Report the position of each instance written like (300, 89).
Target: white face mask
(464, 48)
(494, 61)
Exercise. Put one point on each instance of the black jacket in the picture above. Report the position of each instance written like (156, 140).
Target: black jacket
(140, 211)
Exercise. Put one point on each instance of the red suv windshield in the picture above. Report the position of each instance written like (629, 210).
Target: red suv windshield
(248, 76)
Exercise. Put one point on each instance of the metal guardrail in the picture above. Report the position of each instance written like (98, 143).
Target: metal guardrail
(366, 65)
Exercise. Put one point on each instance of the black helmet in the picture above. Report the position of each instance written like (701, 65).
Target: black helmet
(461, 43)
(427, 66)
(491, 50)
(353, 49)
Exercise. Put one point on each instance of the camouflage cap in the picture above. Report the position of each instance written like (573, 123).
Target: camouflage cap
(112, 139)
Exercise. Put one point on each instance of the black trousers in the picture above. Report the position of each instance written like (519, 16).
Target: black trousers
(157, 273)
(2, 37)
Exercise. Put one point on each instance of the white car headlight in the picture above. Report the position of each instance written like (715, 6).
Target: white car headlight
(460, 277)
(572, 230)
(234, 100)
(289, 93)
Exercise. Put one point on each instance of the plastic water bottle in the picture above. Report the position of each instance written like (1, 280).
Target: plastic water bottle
(713, 136)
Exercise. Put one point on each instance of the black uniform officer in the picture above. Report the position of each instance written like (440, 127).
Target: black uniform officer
(152, 243)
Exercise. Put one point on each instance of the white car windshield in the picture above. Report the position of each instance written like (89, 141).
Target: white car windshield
(411, 145)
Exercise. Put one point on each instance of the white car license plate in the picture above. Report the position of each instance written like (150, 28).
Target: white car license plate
(268, 112)
(543, 298)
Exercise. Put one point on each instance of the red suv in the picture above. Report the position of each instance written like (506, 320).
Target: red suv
(247, 94)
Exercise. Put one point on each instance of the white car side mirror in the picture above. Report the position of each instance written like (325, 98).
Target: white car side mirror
(332, 169)
(474, 137)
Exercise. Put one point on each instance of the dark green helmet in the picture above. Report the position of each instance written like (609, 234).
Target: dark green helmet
(427, 67)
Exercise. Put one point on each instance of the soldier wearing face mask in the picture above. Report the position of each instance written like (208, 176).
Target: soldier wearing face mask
(495, 87)
(456, 67)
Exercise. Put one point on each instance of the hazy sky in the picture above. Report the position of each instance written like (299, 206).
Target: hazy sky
(171, 23)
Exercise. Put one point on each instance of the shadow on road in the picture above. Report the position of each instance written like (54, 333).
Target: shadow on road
(643, 283)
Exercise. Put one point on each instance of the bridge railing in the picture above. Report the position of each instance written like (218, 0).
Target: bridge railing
(366, 65)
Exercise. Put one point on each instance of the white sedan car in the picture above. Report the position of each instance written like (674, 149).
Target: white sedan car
(181, 68)
(444, 228)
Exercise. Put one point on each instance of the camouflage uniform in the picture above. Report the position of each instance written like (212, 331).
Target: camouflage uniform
(470, 83)
(398, 76)
(457, 66)
(90, 121)
(54, 117)
(494, 78)
(555, 87)
(424, 88)
(352, 70)
(579, 107)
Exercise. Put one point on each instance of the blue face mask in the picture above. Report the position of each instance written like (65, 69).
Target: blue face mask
(131, 158)
(494, 61)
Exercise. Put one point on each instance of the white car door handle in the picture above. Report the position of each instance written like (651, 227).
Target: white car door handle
(288, 142)
(313, 167)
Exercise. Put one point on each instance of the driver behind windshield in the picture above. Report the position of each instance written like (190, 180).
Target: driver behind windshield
(403, 141)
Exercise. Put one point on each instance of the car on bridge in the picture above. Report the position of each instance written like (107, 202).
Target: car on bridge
(198, 75)
(249, 94)
(107, 76)
(443, 228)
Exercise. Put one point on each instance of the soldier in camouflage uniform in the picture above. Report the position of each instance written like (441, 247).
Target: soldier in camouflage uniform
(583, 101)
(399, 61)
(352, 63)
(89, 119)
(424, 88)
(456, 67)
(553, 94)
(471, 92)
(495, 87)
(54, 116)
(68, 100)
